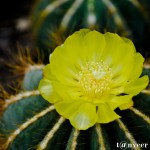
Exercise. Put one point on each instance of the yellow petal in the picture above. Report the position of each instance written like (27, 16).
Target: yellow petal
(74, 46)
(111, 50)
(62, 54)
(123, 60)
(129, 42)
(62, 69)
(47, 91)
(94, 51)
(58, 58)
(138, 66)
(106, 114)
(137, 86)
(84, 117)
(68, 59)
(126, 106)
(47, 72)
(66, 108)
(67, 92)
(119, 55)
(115, 90)
(119, 100)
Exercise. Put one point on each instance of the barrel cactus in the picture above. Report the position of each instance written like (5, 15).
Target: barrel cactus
(37, 118)
(128, 18)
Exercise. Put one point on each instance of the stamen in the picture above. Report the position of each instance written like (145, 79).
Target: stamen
(95, 79)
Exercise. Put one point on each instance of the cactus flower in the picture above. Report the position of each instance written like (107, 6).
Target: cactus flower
(91, 75)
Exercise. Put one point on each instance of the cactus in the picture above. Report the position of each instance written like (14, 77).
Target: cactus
(30, 122)
(126, 17)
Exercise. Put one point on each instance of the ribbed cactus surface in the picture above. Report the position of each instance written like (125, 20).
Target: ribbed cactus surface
(30, 122)
(126, 17)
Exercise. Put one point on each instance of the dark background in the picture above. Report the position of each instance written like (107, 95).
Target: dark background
(10, 11)
(10, 36)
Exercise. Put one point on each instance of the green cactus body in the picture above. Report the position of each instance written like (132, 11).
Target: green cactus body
(126, 17)
(30, 122)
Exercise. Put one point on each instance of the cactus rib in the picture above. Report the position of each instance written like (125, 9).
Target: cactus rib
(91, 19)
(146, 65)
(43, 144)
(127, 133)
(50, 8)
(117, 18)
(146, 91)
(66, 19)
(137, 4)
(35, 66)
(100, 136)
(140, 114)
(23, 126)
(74, 141)
(20, 96)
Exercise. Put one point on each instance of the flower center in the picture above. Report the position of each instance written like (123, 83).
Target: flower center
(95, 79)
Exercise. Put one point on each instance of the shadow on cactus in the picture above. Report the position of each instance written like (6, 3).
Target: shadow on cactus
(128, 18)
(88, 98)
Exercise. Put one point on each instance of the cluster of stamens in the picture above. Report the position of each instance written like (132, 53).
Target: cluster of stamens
(95, 79)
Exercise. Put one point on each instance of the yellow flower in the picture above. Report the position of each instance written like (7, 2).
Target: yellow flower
(92, 74)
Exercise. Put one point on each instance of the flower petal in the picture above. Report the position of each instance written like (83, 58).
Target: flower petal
(67, 92)
(126, 106)
(127, 74)
(116, 90)
(119, 100)
(66, 108)
(138, 66)
(74, 46)
(106, 114)
(66, 67)
(129, 42)
(47, 72)
(47, 91)
(115, 48)
(136, 86)
(116, 54)
(84, 117)
(94, 51)
(61, 67)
